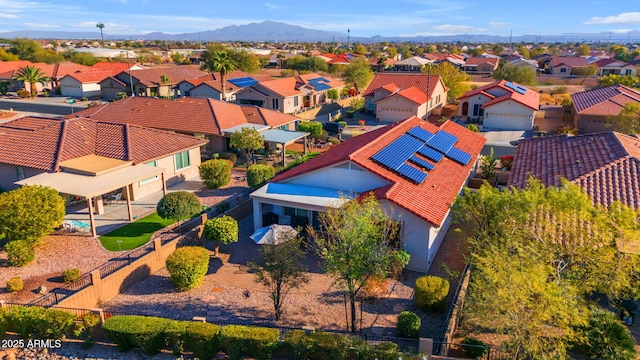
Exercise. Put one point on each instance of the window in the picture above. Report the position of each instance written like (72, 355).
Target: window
(627, 72)
(182, 160)
(438, 99)
(153, 163)
(563, 70)
(20, 173)
(295, 101)
(275, 104)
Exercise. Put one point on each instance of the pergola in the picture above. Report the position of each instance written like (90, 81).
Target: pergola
(94, 176)
(274, 136)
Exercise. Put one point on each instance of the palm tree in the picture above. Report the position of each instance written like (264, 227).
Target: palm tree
(101, 26)
(32, 75)
(222, 63)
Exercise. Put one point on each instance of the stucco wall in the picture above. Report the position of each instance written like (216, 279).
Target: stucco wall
(347, 177)
(171, 175)
(473, 100)
(9, 175)
(396, 108)
(592, 124)
(74, 88)
(205, 92)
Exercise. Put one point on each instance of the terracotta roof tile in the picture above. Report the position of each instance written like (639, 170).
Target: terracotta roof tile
(90, 76)
(425, 83)
(189, 115)
(571, 61)
(606, 165)
(430, 200)
(42, 143)
(413, 94)
(530, 98)
(604, 101)
(151, 77)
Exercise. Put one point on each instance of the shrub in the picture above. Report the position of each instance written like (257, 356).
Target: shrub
(312, 127)
(333, 141)
(384, 351)
(323, 345)
(324, 135)
(178, 205)
(222, 207)
(474, 348)
(145, 332)
(203, 339)
(374, 287)
(84, 98)
(84, 328)
(23, 93)
(241, 341)
(70, 275)
(19, 252)
(431, 293)
(188, 265)
(222, 230)
(473, 127)
(30, 213)
(174, 336)
(34, 322)
(15, 284)
(259, 174)
(229, 156)
(559, 90)
(605, 337)
(343, 123)
(408, 325)
(215, 173)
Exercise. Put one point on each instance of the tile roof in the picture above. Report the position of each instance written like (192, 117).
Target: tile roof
(213, 80)
(604, 101)
(570, 61)
(530, 98)
(606, 165)
(404, 81)
(430, 200)
(113, 67)
(151, 77)
(412, 94)
(190, 115)
(611, 63)
(43, 143)
(90, 76)
(475, 61)
(290, 86)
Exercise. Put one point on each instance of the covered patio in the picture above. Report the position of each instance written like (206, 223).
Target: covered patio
(279, 138)
(94, 176)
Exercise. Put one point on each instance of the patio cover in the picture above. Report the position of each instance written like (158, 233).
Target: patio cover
(302, 196)
(283, 136)
(239, 128)
(92, 186)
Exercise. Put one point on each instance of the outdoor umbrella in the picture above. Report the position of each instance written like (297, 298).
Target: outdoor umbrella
(273, 234)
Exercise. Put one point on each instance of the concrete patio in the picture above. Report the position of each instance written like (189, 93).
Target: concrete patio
(115, 213)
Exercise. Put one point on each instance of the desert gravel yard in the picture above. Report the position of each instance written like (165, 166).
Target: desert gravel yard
(56, 254)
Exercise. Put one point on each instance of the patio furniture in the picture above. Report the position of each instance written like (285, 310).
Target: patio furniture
(273, 234)
(117, 197)
(68, 225)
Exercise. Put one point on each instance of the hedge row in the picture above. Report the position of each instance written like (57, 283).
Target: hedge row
(31, 322)
(153, 334)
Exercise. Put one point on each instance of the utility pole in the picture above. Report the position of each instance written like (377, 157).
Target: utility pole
(348, 38)
(511, 43)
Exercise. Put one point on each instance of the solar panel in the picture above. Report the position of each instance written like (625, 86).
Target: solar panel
(515, 87)
(321, 87)
(395, 154)
(423, 164)
(420, 133)
(412, 173)
(458, 155)
(243, 82)
(431, 154)
(442, 141)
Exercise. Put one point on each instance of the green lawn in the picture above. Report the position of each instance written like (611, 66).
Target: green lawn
(134, 234)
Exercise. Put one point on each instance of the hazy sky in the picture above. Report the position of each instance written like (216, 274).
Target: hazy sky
(363, 18)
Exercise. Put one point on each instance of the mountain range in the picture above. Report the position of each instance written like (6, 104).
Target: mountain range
(273, 31)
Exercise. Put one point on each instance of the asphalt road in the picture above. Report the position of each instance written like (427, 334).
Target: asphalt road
(36, 107)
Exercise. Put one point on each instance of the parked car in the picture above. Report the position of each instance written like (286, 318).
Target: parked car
(332, 128)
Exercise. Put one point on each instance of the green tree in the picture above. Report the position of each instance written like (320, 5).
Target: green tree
(333, 94)
(606, 338)
(101, 26)
(312, 127)
(77, 57)
(551, 247)
(524, 52)
(627, 121)
(32, 75)
(219, 62)
(354, 246)
(221, 230)
(280, 270)
(6, 56)
(392, 51)
(523, 75)
(358, 73)
(497, 49)
(4, 87)
(24, 48)
(584, 71)
(360, 49)
(454, 78)
(177, 57)
(30, 213)
(584, 50)
(613, 79)
(247, 140)
(178, 205)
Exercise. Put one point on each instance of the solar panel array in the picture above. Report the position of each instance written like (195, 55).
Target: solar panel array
(515, 87)
(419, 141)
(319, 84)
(243, 82)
